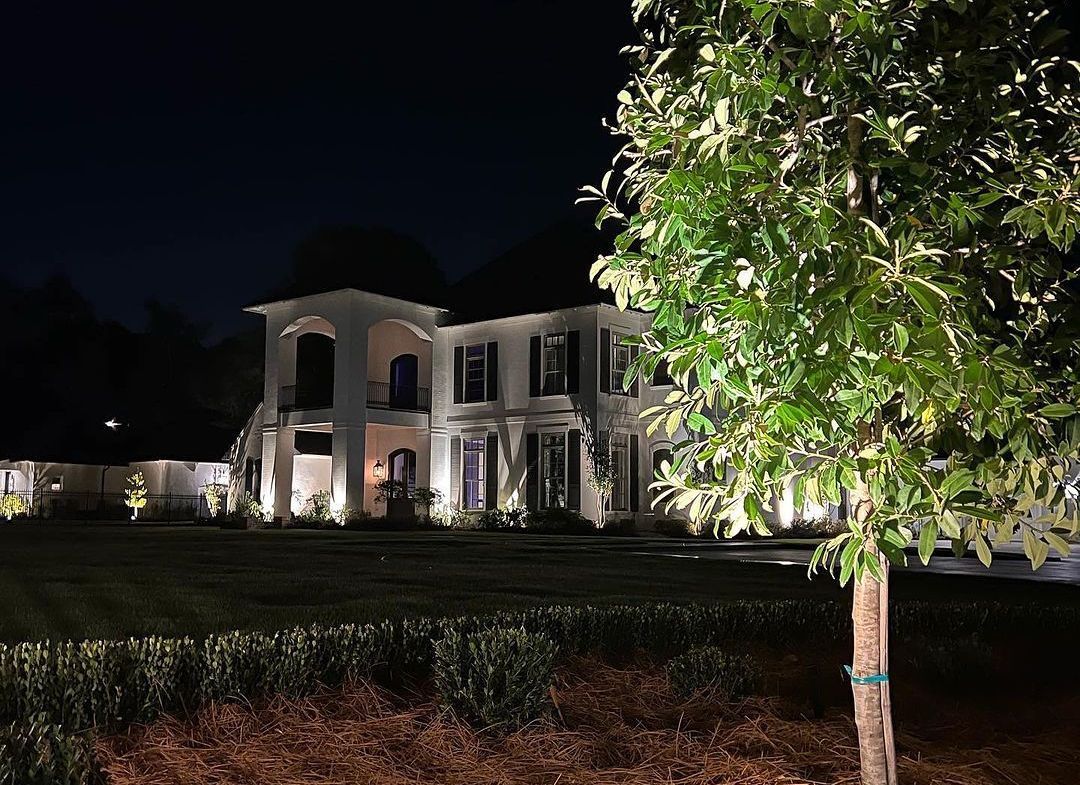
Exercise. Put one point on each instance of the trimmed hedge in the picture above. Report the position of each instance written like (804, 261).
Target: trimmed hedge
(107, 684)
(38, 753)
(495, 678)
(712, 668)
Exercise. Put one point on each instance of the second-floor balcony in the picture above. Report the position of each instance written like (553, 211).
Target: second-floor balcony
(380, 395)
(384, 395)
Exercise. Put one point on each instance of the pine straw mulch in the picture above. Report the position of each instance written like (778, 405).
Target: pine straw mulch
(611, 726)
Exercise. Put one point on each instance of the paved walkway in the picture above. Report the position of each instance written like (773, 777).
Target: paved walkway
(1008, 563)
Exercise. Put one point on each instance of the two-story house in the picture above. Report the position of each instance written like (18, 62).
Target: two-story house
(491, 412)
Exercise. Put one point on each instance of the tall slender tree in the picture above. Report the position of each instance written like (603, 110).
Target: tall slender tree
(850, 220)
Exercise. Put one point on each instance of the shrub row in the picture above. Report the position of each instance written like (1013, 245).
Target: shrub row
(74, 686)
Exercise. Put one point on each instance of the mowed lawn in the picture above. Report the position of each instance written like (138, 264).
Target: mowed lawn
(77, 581)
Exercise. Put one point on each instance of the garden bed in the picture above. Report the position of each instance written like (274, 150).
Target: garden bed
(612, 725)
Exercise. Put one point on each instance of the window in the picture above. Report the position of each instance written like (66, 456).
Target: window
(475, 372)
(552, 470)
(620, 460)
(661, 376)
(620, 361)
(57, 483)
(472, 470)
(9, 482)
(554, 364)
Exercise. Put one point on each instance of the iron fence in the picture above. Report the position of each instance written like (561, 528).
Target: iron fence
(90, 505)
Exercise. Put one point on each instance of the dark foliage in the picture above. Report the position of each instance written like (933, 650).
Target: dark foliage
(495, 678)
(706, 668)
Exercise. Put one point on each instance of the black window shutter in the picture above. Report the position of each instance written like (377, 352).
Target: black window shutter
(573, 469)
(491, 471)
(492, 370)
(605, 360)
(532, 471)
(573, 362)
(634, 384)
(534, 366)
(633, 472)
(455, 470)
(459, 373)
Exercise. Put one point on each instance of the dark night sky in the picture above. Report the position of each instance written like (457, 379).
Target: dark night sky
(180, 151)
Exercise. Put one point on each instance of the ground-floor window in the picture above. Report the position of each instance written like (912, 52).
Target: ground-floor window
(553, 470)
(620, 462)
(472, 469)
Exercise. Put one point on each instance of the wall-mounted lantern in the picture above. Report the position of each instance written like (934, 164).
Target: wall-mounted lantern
(377, 470)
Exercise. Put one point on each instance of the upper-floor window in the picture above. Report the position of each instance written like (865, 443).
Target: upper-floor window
(473, 473)
(475, 372)
(620, 462)
(620, 361)
(552, 470)
(554, 364)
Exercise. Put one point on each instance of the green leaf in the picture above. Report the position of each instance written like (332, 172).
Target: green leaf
(927, 541)
(982, 550)
(1057, 410)
(700, 423)
(957, 482)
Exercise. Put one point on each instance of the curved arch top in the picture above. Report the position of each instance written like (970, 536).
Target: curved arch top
(310, 324)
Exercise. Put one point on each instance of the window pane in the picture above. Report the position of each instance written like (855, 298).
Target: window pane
(475, 376)
(620, 462)
(554, 364)
(553, 470)
(620, 361)
(473, 474)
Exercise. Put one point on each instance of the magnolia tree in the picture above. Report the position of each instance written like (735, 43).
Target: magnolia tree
(850, 219)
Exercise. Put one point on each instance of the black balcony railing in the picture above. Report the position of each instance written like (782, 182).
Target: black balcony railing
(383, 395)
(298, 398)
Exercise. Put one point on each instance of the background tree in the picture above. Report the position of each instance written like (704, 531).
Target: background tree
(849, 219)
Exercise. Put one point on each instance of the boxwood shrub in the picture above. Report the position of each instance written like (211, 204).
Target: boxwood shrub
(495, 678)
(36, 752)
(706, 668)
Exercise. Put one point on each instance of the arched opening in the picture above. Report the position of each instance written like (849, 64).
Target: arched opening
(404, 381)
(314, 371)
(402, 474)
(402, 465)
(399, 366)
(306, 364)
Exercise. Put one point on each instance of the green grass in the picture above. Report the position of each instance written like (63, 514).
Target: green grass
(107, 581)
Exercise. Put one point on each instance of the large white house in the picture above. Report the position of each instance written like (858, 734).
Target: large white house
(491, 413)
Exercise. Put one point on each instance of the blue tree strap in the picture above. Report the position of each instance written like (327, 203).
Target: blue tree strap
(875, 678)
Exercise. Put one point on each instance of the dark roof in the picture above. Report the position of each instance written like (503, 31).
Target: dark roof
(547, 272)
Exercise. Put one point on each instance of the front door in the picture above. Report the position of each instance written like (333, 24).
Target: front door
(403, 472)
(404, 376)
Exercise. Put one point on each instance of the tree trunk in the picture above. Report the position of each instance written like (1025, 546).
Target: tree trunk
(873, 704)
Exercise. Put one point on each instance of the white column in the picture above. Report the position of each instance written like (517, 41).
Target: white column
(284, 449)
(347, 467)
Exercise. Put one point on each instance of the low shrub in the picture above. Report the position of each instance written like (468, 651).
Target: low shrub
(381, 524)
(622, 527)
(707, 668)
(675, 527)
(502, 519)
(811, 528)
(958, 664)
(558, 520)
(37, 752)
(495, 678)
